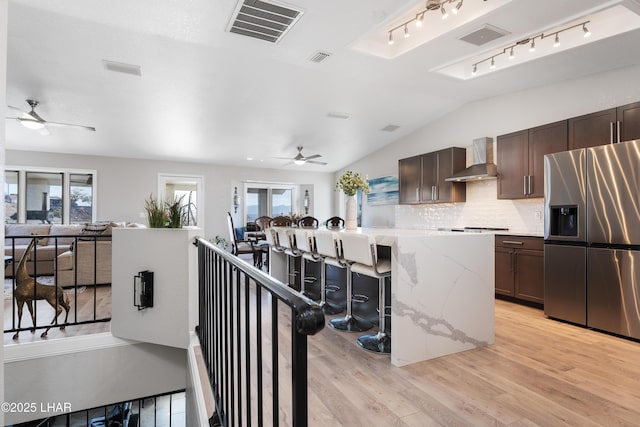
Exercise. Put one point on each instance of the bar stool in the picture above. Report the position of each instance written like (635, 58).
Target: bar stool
(326, 247)
(349, 323)
(286, 240)
(360, 251)
(305, 244)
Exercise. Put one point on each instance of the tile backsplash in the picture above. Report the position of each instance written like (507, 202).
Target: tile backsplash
(481, 209)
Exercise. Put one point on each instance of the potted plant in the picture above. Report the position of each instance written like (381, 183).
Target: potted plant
(156, 216)
(350, 182)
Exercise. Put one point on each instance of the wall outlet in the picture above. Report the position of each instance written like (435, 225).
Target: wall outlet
(539, 215)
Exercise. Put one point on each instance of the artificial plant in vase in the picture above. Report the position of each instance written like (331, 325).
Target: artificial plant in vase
(350, 182)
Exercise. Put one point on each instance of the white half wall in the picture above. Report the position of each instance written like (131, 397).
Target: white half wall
(492, 117)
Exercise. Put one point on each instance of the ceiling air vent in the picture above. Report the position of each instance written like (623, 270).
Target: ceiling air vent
(484, 34)
(390, 128)
(319, 56)
(121, 67)
(262, 20)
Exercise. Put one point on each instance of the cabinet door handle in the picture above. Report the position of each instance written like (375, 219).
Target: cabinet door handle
(529, 183)
(417, 194)
(434, 192)
(512, 242)
(619, 123)
(611, 132)
(524, 185)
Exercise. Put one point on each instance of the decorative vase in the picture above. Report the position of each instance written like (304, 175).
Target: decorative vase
(351, 220)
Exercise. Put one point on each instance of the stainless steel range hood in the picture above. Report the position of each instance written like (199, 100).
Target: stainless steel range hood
(482, 167)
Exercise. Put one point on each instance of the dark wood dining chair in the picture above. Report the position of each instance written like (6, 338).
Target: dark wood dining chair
(308, 222)
(281, 221)
(239, 246)
(263, 222)
(334, 223)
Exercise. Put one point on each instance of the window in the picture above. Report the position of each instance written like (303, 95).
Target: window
(11, 196)
(44, 197)
(49, 196)
(188, 189)
(268, 200)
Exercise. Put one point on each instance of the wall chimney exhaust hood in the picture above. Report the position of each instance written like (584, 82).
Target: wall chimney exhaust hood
(482, 167)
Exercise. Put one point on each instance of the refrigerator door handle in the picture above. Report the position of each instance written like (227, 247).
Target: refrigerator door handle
(524, 185)
(529, 183)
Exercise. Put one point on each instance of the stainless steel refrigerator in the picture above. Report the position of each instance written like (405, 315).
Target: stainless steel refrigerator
(592, 237)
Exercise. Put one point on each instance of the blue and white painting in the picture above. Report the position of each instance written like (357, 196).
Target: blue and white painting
(383, 191)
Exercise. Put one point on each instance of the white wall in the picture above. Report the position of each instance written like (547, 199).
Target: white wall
(493, 117)
(89, 371)
(124, 184)
(3, 110)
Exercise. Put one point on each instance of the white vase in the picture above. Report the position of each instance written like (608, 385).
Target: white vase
(351, 221)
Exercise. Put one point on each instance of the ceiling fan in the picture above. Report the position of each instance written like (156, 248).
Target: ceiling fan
(32, 120)
(300, 159)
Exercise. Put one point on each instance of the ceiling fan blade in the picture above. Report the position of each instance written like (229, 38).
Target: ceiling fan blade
(282, 158)
(315, 156)
(91, 128)
(16, 109)
(315, 162)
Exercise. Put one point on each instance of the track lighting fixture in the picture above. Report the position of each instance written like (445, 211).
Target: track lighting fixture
(419, 17)
(510, 50)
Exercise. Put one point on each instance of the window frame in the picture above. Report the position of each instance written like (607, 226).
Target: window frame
(269, 186)
(66, 187)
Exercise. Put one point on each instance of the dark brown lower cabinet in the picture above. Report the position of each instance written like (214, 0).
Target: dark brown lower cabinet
(520, 268)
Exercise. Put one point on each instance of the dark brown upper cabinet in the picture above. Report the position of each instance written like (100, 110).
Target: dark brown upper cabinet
(520, 159)
(422, 178)
(605, 127)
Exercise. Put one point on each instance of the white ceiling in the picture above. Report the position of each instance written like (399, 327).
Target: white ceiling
(211, 96)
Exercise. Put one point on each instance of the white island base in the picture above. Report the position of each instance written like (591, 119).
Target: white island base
(442, 291)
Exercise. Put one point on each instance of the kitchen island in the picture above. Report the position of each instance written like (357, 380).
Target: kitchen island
(442, 291)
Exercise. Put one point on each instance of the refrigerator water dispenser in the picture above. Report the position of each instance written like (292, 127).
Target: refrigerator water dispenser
(564, 220)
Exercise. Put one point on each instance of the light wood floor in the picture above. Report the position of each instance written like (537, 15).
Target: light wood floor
(539, 372)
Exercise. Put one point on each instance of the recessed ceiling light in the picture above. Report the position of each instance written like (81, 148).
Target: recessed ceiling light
(249, 158)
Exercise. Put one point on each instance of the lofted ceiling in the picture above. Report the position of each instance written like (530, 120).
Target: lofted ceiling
(208, 95)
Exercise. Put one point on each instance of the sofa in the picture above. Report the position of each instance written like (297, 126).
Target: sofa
(42, 262)
(85, 251)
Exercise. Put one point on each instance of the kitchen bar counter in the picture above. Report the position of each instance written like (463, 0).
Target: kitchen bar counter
(442, 291)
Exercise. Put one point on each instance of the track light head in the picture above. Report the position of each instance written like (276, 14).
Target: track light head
(456, 9)
(390, 41)
(407, 34)
(587, 33)
(420, 19)
(445, 15)
(511, 54)
(475, 70)
(532, 48)
(493, 63)
(556, 42)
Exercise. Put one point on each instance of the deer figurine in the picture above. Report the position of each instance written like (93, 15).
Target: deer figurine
(29, 289)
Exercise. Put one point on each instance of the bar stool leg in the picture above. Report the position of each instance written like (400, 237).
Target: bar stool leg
(350, 323)
(379, 342)
(326, 307)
